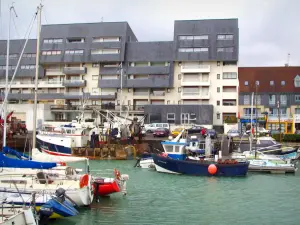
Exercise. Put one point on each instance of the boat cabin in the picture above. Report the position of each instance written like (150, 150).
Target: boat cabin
(266, 141)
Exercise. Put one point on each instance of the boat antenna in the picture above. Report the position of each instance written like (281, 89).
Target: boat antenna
(37, 63)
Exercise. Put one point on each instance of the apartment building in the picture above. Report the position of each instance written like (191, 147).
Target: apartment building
(276, 97)
(191, 79)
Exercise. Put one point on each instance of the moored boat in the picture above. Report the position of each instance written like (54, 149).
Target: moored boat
(200, 167)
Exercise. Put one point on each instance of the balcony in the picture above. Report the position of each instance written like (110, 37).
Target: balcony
(155, 70)
(111, 83)
(195, 69)
(74, 83)
(31, 84)
(74, 70)
(157, 95)
(73, 95)
(136, 108)
(50, 84)
(148, 83)
(54, 72)
(195, 95)
(195, 82)
(248, 116)
(103, 95)
(230, 95)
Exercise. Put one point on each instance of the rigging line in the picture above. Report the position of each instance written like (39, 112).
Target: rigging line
(45, 17)
(1, 19)
(16, 28)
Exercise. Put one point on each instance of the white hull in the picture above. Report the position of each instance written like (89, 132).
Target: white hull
(147, 163)
(17, 216)
(162, 170)
(81, 196)
(44, 157)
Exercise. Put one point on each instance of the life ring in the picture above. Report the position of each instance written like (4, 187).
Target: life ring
(117, 174)
(84, 181)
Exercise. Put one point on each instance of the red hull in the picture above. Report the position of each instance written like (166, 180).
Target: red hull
(106, 188)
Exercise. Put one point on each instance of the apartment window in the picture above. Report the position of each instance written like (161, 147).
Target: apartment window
(282, 83)
(297, 111)
(258, 99)
(218, 102)
(106, 65)
(179, 76)
(193, 49)
(168, 90)
(74, 52)
(179, 102)
(218, 63)
(11, 56)
(106, 39)
(218, 89)
(230, 63)
(95, 77)
(229, 102)
(246, 99)
(29, 55)
(257, 83)
(168, 102)
(225, 37)
(9, 67)
(75, 40)
(246, 83)
(179, 89)
(228, 76)
(283, 99)
(27, 67)
(218, 116)
(171, 117)
(227, 49)
(51, 52)
(297, 98)
(271, 82)
(272, 99)
(141, 64)
(105, 51)
(53, 41)
(95, 90)
(218, 76)
(199, 37)
(297, 81)
(95, 65)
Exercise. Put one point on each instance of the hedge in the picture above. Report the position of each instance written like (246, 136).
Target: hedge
(287, 137)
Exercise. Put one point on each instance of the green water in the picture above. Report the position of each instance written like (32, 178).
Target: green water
(156, 198)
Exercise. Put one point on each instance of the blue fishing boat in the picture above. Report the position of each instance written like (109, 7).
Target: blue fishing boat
(229, 168)
(17, 163)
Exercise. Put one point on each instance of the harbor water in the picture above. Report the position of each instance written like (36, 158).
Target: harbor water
(156, 198)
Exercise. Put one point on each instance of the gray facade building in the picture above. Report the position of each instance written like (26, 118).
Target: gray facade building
(201, 114)
(220, 37)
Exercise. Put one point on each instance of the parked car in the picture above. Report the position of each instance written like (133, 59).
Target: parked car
(261, 130)
(195, 130)
(176, 131)
(212, 133)
(161, 132)
(233, 134)
(150, 128)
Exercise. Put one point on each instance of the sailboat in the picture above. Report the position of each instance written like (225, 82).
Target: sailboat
(33, 178)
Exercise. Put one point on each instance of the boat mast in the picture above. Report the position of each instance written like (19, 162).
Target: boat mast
(251, 121)
(121, 87)
(37, 62)
(6, 75)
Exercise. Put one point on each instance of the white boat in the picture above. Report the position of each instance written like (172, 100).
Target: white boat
(146, 163)
(81, 190)
(12, 215)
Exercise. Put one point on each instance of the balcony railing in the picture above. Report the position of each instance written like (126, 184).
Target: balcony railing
(74, 83)
(157, 94)
(190, 93)
(74, 70)
(103, 106)
(195, 66)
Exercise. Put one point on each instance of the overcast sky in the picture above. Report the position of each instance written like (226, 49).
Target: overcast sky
(269, 29)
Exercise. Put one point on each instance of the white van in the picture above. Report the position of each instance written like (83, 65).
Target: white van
(150, 128)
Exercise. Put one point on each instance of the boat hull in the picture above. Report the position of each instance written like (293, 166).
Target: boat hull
(106, 186)
(53, 144)
(197, 168)
(146, 163)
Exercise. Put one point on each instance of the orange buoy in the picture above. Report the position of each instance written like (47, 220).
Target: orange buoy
(84, 181)
(212, 169)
